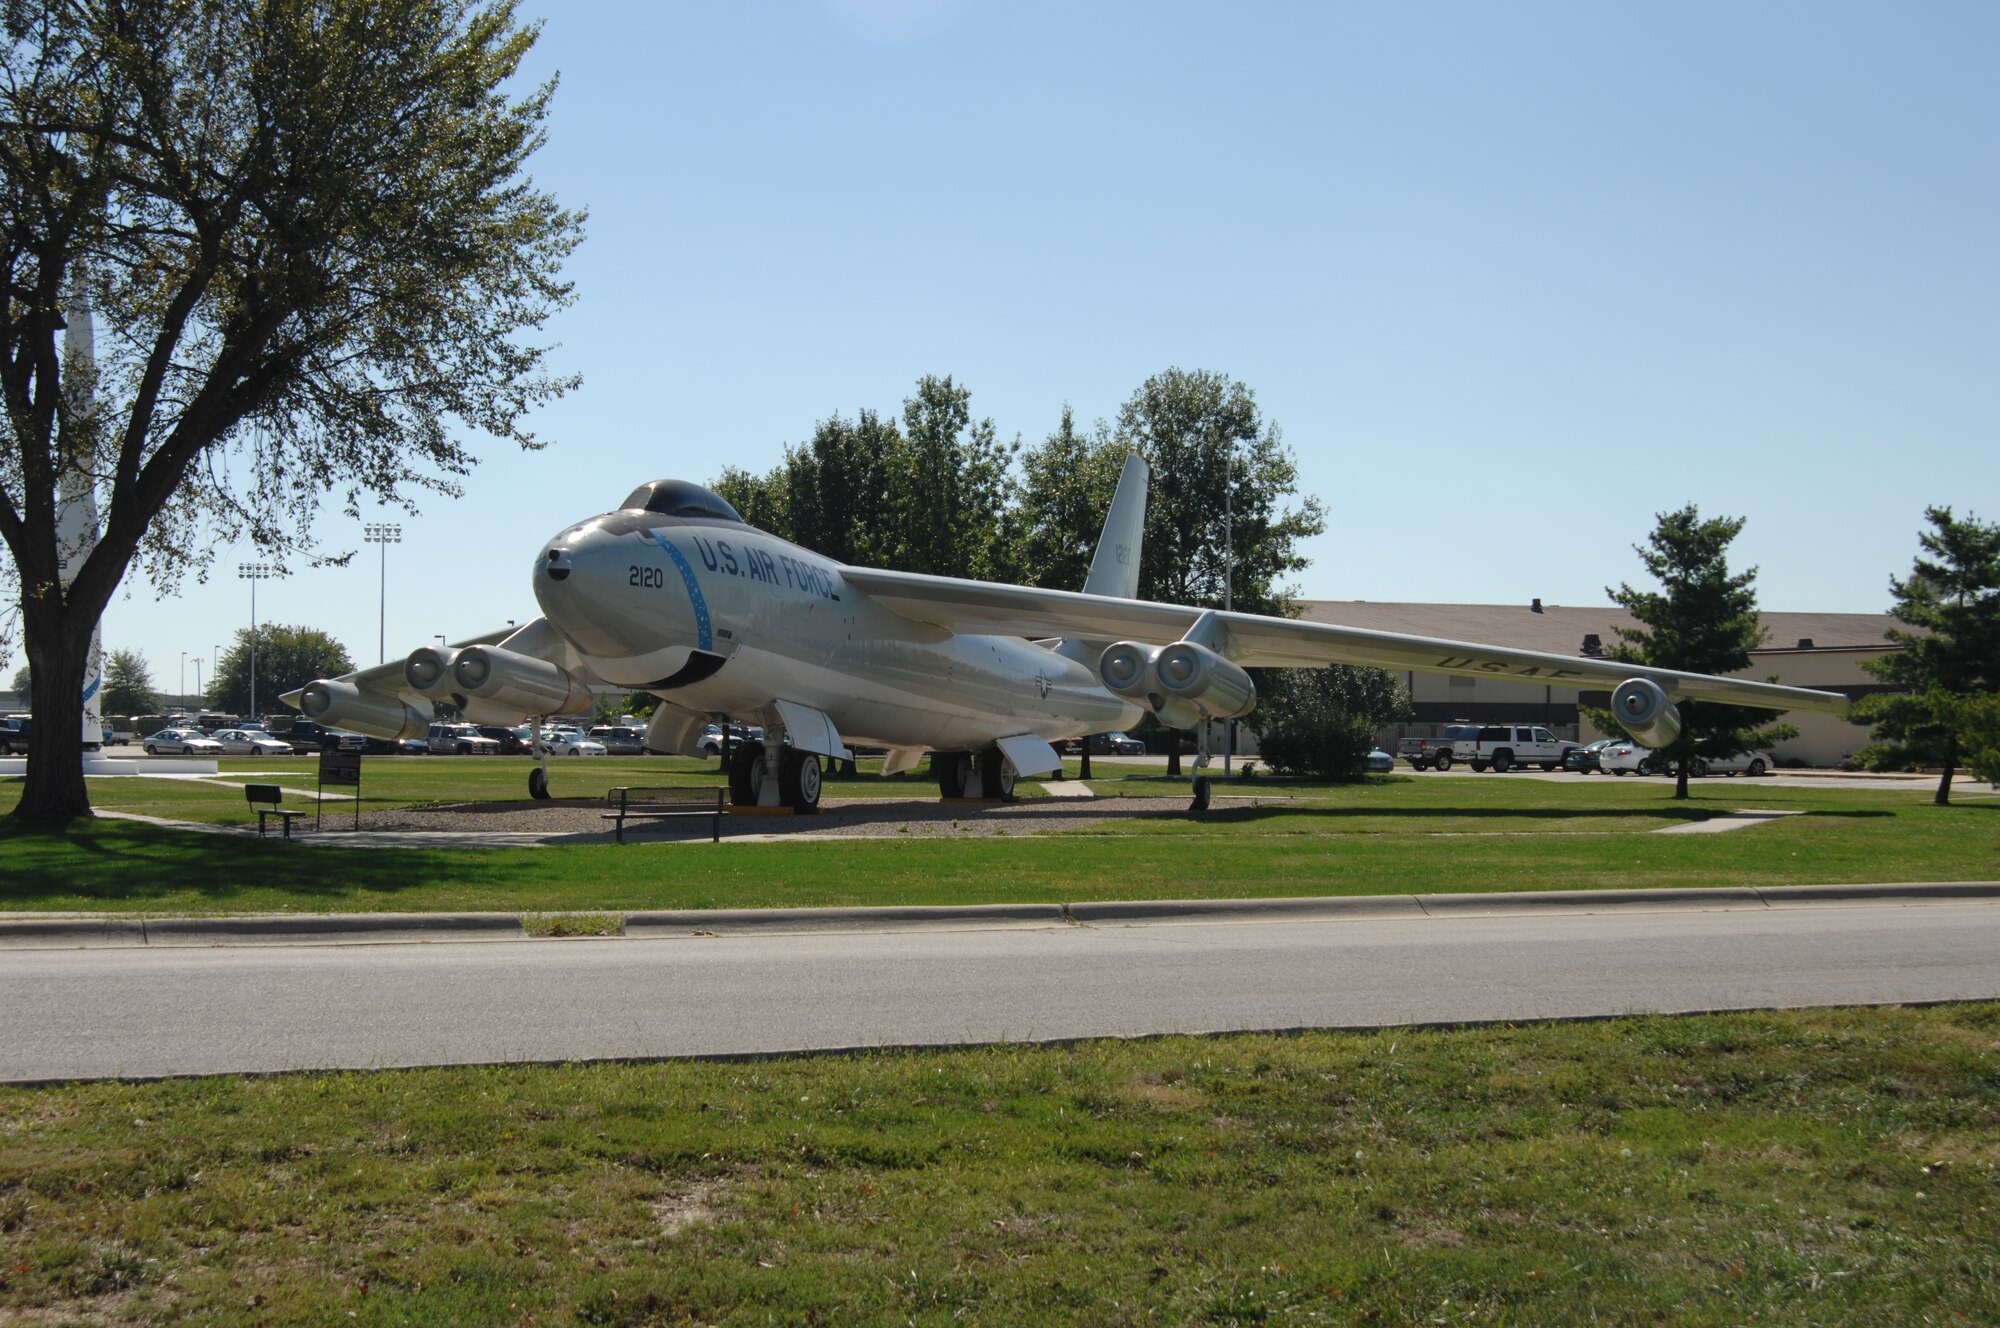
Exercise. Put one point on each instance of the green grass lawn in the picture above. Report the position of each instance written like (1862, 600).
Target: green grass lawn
(1394, 834)
(1821, 1167)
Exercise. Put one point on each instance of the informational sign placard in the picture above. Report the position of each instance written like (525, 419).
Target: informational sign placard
(341, 768)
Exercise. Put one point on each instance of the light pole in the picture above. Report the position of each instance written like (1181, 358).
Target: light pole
(184, 676)
(197, 677)
(253, 573)
(375, 533)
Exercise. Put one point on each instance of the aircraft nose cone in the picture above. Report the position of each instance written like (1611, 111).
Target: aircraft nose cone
(594, 584)
(557, 566)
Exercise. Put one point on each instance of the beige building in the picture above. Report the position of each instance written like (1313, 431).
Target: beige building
(1821, 650)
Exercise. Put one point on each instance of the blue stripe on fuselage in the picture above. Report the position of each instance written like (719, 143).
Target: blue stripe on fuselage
(704, 631)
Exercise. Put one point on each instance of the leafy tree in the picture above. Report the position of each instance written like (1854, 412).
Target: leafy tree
(128, 685)
(24, 685)
(1703, 621)
(307, 232)
(1950, 603)
(953, 487)
(287, 657)
(1322, 722)
(1066, 489)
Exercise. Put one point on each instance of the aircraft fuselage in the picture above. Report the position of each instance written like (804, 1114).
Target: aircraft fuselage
(719, 617)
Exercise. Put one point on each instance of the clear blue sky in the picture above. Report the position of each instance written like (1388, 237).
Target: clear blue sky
(1512, 278)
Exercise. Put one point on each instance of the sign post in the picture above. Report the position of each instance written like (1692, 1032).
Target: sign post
(338, 767)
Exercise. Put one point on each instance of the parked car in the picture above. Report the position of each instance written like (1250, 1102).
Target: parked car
(711, 737)
(14, 735)
(249, 742)
(1380, 761)
(513, 742)
(619, 739)
(1583, 760)
(309, 736)
(182, 742)
(569, 742)
(1625, 757)
(1503, 746)
(461, 740)
(1106, 744)
(1423, 753)
(395, 746)
(1744, 763)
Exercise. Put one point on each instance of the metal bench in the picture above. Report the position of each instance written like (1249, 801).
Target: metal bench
(660, 803)
(263, 799)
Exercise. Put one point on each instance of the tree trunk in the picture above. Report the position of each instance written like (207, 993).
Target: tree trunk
(54, 792)
(1681, 777)
(1173, 753)
(1084, 772)
(1943, 796)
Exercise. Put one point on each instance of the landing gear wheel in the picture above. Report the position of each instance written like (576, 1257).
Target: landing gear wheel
(1201, 794)
(1479, 767)
(953, 770)
(1443, 761)
(996, 775)
(798, 780)
(746, 774)
(538, 784)
(1502, 762)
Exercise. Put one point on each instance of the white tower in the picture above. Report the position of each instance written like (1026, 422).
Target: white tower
(76, 499)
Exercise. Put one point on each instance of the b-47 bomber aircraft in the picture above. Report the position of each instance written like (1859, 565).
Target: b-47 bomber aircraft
(676, 595)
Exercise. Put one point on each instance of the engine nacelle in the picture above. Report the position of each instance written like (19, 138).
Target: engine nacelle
(520, 683)
(1644, 711)
(1198, 690)
(1205, 680)
(342, 705)
(428, 670)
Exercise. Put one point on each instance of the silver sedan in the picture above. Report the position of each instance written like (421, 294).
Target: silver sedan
(251, 742)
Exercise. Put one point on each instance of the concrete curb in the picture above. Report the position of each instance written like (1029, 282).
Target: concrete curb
(766, 921)
(72, 931)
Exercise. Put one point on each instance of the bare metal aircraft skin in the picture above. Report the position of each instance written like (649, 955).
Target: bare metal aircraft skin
(676, 595)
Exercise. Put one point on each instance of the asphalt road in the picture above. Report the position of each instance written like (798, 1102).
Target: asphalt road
(141, 1011)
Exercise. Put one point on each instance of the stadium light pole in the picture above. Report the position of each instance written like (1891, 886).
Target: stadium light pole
(184, 677)
(384, 535)
(253, 573)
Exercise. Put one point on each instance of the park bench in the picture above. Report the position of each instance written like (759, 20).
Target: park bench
(660, 803)
(263, 798)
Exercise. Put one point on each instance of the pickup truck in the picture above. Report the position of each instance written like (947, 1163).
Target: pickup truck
(1504, 746)
(1423, 753)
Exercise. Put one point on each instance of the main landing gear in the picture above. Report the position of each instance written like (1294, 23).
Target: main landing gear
(962, 775)
(538, 778)
(750, 773)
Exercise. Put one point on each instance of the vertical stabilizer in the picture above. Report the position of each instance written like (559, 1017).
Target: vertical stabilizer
(1114, 568)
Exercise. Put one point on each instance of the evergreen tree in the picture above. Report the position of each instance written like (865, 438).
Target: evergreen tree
(1703, 620)
(1950, 654)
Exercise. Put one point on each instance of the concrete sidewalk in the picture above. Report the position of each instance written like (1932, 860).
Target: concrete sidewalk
(80, 930)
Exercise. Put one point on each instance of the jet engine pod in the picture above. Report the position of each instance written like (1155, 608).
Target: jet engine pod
(342, 705)
(428, 670)
(1645, 712)
(1126, 670)
(1197, 675)
(522, 683)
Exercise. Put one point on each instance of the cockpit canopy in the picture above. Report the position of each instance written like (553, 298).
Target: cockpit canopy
(679, 498)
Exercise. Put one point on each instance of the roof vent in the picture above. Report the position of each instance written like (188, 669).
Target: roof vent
(1592, 644)
(1536, 605)
(1805, 643)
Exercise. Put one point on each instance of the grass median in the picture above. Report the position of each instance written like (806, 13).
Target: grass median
(1820, 1167)
(1391, 835)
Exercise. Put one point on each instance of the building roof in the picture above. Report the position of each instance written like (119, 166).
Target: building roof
(1559, 629)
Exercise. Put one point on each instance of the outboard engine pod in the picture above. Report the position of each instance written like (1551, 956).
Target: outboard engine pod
(1195, 674)
(342, 705)
(1644, 711)
(521, 683)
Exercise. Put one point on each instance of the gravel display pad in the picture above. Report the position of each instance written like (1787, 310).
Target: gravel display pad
(864, 818)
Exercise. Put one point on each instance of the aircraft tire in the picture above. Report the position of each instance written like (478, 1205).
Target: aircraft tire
(1443, 761)
(799, 781)
(954, 770)
(996, 775)
(746, 766)
(538, 784)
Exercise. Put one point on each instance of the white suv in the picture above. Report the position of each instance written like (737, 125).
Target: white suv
(463, 739)
(1503, 746)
